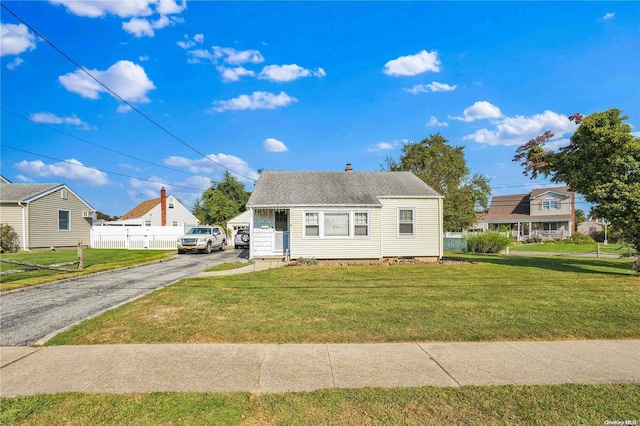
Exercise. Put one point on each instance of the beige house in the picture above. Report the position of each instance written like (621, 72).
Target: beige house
(344, 215)
(45, 215)
(543, 213)
(164, 211)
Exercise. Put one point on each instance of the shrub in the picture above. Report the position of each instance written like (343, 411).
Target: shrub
(578, 238)
(487, 242)
(9, 239)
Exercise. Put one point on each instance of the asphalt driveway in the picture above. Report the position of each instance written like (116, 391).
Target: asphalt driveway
(33, 313)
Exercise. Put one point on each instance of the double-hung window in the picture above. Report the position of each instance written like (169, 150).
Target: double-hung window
(550, 205)
(361, 224)
(406, 222)
(311, 224)
(64, 220)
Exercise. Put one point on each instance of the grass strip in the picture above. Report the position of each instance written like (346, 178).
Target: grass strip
(497, 298)
(95, 260)
(541, 404)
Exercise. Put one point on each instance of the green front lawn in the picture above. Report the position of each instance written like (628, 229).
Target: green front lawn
(619, 249)
(95, 260)
(544, 405)
(497, 298)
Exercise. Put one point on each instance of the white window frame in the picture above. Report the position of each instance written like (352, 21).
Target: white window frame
(68, 220)
(304, 224)
(337, 213)
(368, 224)
(147, 223)
(548, 225)
(413, 222)
(171, 205)
(550, 205)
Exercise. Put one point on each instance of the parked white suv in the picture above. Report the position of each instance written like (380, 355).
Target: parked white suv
(202, 238)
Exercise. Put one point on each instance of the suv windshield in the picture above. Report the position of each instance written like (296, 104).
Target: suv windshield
(193, 231)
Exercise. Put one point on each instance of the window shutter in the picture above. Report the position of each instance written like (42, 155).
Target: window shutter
(559, 204)
(540, 205)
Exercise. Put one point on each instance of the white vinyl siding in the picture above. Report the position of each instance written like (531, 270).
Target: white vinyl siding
(325, 246)
(427, 223)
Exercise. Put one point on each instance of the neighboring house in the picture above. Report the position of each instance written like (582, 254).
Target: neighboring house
(163, 211)
(543, 213)
(591, 226)
(239, 222)
(45, 215)
(344, 215)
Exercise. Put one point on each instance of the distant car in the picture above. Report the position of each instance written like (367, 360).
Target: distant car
(203, 239)
(241, 239)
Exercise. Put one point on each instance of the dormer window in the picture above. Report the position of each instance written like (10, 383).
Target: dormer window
(550, 205)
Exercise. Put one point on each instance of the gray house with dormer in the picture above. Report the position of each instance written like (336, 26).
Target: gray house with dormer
(45, 215)
(344, 215)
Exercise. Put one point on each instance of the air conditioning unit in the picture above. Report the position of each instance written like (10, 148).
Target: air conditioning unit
(87, 213)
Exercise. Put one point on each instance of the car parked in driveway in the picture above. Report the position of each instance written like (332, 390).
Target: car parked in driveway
(203, 239)
(241, 239)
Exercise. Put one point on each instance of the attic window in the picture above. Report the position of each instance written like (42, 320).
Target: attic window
(550, 205)
(170, 205)
(64, 194)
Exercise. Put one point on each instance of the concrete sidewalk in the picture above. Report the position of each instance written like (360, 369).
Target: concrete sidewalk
(305, 367)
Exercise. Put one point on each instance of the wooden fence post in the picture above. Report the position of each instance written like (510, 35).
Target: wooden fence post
(80, 256)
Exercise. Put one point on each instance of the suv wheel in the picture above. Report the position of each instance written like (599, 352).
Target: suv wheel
(223, 245)
(208, 249)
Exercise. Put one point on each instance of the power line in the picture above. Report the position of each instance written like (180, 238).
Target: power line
(95, 144)
(107, 88)
(101, 170)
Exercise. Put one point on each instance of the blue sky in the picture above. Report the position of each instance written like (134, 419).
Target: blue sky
(305, 86)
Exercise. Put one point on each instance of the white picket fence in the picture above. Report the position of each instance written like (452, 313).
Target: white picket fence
(137, 237)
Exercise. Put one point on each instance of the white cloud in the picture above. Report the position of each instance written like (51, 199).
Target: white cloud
(609, 15)
(274, 145)
(17, 61)
(125, 78)
(433, 122)
(431, 87)
(71, 169)
(511, 131)
(50, 118)
(386, 146)
(234, 74)
(478, 111)
(143, 58)
(15, 39)
(100, 8)
(198, 54)
(257, 100)
(237, 57)
(208, 168)
(137, 11)
(422, 61)
(283, 73)
(138, 27)
(198, 38)
(123, 108)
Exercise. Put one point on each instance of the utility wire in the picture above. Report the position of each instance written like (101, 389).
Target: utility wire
(101, 170)
(107, 88)
(95, 144)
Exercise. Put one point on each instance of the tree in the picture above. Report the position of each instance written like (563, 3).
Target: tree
(443, 167)
(580, 216)
(9, 239)
(601, 162)
(221, 201)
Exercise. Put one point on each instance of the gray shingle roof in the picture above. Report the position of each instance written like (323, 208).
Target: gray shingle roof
(14, 192)
(287, 189)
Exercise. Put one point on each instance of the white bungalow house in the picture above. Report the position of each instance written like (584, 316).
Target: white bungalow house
(45, 215)
(164, 211)
(542, 213)
(344, 215)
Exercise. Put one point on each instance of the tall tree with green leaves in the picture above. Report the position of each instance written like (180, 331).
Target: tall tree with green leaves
(601, 162)
(221, 201)
(444, 168)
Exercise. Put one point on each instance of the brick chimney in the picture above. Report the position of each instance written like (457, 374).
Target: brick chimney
(348, 168)
(163, 206)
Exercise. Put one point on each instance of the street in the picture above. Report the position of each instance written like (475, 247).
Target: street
(32, 313)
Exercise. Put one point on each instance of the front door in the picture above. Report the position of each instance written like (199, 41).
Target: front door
(282, 232)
